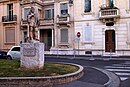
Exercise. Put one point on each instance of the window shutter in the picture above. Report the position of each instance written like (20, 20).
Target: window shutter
(52, 13)
(49, 13)
(46, 14)
(64, 35)
(10, 35)
(8, 10)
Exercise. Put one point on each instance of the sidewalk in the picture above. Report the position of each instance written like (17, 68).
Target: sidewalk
(90, 57)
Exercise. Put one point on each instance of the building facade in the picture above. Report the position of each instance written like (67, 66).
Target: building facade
(9, 23)
(56, 24)
(63, 28)
(104, 26)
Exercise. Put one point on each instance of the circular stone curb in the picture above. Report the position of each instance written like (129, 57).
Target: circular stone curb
(114, 80)
(47, 81)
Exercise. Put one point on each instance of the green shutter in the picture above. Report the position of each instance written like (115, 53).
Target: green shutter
(7, 9)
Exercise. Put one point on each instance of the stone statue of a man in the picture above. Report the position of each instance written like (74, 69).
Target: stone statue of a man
(33, 24)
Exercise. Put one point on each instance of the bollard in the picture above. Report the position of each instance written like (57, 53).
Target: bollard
(110, 53)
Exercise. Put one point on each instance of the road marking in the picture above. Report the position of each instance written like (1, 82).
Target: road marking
(116, 67)
(123, 65)
(123, 74)
(123, 78)
(118, 70)
(122, 70)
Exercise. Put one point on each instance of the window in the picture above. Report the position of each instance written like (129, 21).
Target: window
(26, 12)
(109, 3)
(88, 34)
(39, 13)
(10, 12)
(49, 14)
(87, 6)
(64, 35)
(25, 36)
(16, 49)
(10, 35)
(64, 9)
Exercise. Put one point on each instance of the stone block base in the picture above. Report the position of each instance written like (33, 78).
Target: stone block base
(32, 55)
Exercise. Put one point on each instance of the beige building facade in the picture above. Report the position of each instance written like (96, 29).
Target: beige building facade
(9, 23)
(56, 24)
(104, 26)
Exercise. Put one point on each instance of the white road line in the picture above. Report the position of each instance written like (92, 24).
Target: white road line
(123, 78)
(122, 70)
(117, 67)
(121, 65)
(118, 70)
(125, 74)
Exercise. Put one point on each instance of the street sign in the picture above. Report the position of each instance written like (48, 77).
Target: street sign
(78, 34)
(78, 38)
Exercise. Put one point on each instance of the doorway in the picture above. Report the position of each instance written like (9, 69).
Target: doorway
(110, 41)
(46, 38)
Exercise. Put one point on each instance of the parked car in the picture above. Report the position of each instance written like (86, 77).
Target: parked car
(3, 55)
(14, 53)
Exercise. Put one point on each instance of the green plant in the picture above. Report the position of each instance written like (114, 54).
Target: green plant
(11, 68)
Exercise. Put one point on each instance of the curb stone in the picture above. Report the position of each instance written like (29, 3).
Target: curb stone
(48, 81)
(114, 80)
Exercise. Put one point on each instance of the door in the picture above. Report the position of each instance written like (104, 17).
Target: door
(110, 41)
(46, 38)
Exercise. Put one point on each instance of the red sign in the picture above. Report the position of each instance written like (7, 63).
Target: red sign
(78, 34)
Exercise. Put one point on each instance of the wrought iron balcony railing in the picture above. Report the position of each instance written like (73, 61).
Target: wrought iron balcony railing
(11, 18)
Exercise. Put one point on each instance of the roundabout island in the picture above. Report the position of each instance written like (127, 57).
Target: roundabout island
(12, 75)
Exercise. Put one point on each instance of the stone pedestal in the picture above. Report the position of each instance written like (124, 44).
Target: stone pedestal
(32, 55)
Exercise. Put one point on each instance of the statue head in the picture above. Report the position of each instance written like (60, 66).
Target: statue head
(32, 10)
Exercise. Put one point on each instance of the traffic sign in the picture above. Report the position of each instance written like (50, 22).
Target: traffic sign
(78, 34)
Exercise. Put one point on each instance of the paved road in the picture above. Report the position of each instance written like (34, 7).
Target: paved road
(119, 67)
(97, 79)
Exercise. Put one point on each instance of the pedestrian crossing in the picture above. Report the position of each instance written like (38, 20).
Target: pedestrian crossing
(122, 70)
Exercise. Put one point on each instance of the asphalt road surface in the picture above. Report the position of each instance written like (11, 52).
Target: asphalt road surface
(119, 67)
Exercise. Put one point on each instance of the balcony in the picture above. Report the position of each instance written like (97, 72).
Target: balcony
(9, 19)
(63, 19)
(46, 22)
(109, 13)
(45, 2)
(24, 22)
(7, 0)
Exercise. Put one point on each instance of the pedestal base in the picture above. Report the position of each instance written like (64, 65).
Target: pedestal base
(32, 55)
